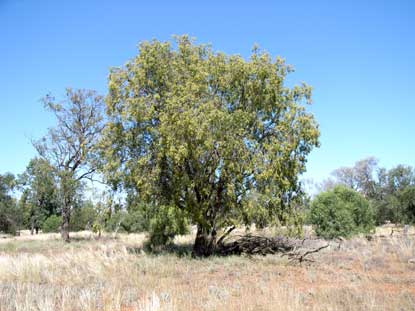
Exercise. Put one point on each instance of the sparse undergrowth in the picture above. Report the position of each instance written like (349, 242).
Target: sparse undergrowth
(44, 273)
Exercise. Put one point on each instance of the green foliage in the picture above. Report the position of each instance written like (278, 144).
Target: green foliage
(398, 206)
(135, 221)
(407, 202)
(83, 217)
(165, 224)
(162, 223)
(387, 209)
(25, 207)
(113, 223)
(399, 178)
(341, 212)
(331, 216)
(198, 131)
(390, 191)
(52, 224)
(39, 199)
(395, 201)
(70, 146)
(10, 215)
(97, 228)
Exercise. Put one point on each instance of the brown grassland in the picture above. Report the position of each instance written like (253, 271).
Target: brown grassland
(115, 273)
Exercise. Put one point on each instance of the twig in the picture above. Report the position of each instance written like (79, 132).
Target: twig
(302, 257)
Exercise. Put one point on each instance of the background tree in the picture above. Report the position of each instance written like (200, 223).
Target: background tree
(40, 195)
(70, 147)
(360, 177)
(193, 132)
(400, 177)
(407, 202)
(390, 192)
(83, 216)
(10, 216)
(396, 194)
(344, 176)
(25, 207)
(52, 224)
(365, 175)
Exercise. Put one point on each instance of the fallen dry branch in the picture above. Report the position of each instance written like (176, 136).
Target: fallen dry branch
(255, 245)
(300, 257)
(294, 249)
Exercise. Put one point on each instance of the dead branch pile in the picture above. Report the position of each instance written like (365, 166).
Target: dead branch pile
(294, 249)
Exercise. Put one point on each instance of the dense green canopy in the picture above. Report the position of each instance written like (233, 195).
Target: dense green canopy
(341, 212)
(207, 132)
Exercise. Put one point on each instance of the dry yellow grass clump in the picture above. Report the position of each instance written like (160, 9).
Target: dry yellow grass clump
(43, 273)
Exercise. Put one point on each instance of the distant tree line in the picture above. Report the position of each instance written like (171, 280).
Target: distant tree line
(364, 193)
(39, 207)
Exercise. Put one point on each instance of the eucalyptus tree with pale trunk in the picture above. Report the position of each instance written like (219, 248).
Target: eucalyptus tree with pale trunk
(205, 132)
(71, 146)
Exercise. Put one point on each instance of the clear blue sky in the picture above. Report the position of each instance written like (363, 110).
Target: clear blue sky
(358, 56)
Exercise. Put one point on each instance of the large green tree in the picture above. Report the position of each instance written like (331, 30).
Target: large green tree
(200, 131)
(70, 147)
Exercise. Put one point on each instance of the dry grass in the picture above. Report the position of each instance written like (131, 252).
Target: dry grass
(43, 273)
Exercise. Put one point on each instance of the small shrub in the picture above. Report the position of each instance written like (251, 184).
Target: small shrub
(341, 212)
(97, 228)
(52, 224)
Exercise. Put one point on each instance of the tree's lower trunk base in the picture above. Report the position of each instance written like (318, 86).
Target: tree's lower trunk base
(65, 236)
(205, 243)
(65, 232)
(66, 216)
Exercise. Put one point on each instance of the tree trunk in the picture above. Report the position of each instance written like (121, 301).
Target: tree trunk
(205, 242)
(65, 223)
(32, 221)
(66, 186)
